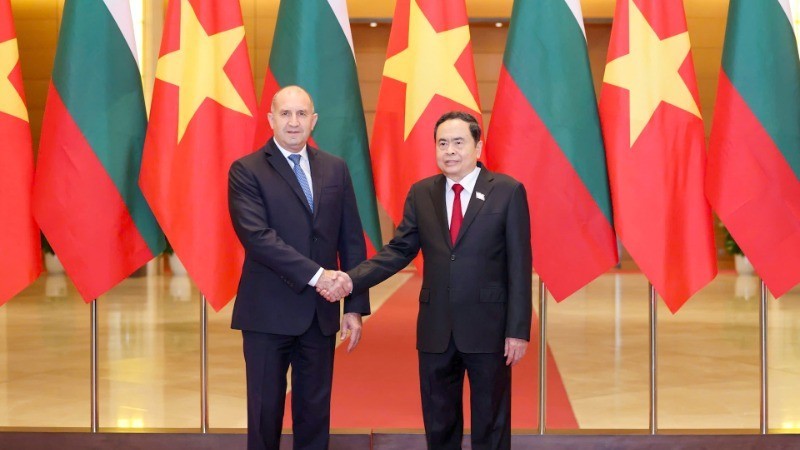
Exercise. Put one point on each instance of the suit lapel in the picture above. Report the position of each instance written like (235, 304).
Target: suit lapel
(317, 176)
(281, 165)
(439, 205)
(484, 186)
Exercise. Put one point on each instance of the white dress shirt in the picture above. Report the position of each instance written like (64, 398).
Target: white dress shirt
(468, 183)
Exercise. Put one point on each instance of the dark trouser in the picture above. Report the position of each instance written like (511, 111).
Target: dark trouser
(267, 359)
(441, 377)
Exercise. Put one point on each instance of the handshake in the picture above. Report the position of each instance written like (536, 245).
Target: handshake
(334, 285)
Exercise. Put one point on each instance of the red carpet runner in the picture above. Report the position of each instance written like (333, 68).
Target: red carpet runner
(377, 386)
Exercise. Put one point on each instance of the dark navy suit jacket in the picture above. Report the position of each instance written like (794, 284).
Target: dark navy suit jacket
(479, 290)
(285, 243)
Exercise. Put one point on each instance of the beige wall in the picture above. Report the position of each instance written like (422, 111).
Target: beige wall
(37, 27)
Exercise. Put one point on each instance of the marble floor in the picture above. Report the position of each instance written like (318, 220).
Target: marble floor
(149, 360)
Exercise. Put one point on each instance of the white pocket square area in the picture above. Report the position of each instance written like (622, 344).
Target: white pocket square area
(480, 196)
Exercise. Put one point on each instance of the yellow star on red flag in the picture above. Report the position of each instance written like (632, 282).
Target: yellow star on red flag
(197, 68)
(428, 68)
(11, 101)
(650, 72)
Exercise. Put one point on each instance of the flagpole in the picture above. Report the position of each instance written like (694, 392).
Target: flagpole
(93, 353)
(653, 360)
(762, 316)
(542, 357)
(203, 365)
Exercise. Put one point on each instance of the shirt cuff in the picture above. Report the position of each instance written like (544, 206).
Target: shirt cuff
(313, 281)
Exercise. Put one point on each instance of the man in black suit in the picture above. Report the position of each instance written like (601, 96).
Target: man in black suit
(473, 228)
(294, 210)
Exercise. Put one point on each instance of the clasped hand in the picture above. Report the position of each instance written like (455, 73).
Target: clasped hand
(334, 285)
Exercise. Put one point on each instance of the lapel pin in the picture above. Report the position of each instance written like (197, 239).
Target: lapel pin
(480, 196)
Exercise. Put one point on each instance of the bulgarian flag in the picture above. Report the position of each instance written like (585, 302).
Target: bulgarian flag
(753, 179)
(428, 71)
(85, 196)
(327, 70)
(655, 148)
(20, 250)
(203, 117)
(545, 132)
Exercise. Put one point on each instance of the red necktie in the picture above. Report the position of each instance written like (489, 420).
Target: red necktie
(457, 217)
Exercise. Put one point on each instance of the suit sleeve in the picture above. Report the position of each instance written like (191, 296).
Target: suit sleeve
(262, 243)
(395, 255)
(352, 247)
(518, 251)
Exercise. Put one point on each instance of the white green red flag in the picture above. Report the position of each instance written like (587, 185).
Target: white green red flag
(202, 118)
(313, 48)
(545, 132)
(753, 179)
(86, 198)
(655, 148)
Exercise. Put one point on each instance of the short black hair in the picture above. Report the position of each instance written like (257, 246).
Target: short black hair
(474, 127)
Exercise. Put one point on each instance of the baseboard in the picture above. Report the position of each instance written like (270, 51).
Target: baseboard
(384, 440)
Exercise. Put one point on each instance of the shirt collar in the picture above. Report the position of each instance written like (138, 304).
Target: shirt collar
(286, 153)
(468, 182)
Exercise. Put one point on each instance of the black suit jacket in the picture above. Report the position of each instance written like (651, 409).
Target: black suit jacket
(480, 289)
(285, 243)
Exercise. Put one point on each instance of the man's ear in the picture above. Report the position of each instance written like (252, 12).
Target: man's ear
(271, 120)
(479, 148)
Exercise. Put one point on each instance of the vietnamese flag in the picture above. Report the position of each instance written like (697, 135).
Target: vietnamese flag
(428, 72)
(545, 132)
(86, 199)
(203, 117)
(753, 179)
(20, 250)
(313, 48)
(654, 139)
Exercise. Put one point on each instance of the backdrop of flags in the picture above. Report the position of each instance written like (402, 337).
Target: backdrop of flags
(86, 199)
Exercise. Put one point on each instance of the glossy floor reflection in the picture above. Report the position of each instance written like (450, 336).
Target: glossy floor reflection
(708, 374)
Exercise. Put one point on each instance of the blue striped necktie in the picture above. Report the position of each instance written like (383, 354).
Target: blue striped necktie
(301, 178)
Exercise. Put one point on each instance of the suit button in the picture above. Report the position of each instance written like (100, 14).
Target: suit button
(453, 257)
(315, 238)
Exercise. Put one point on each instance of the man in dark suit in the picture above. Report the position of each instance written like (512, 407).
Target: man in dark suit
(473, 228)
(294, 210)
